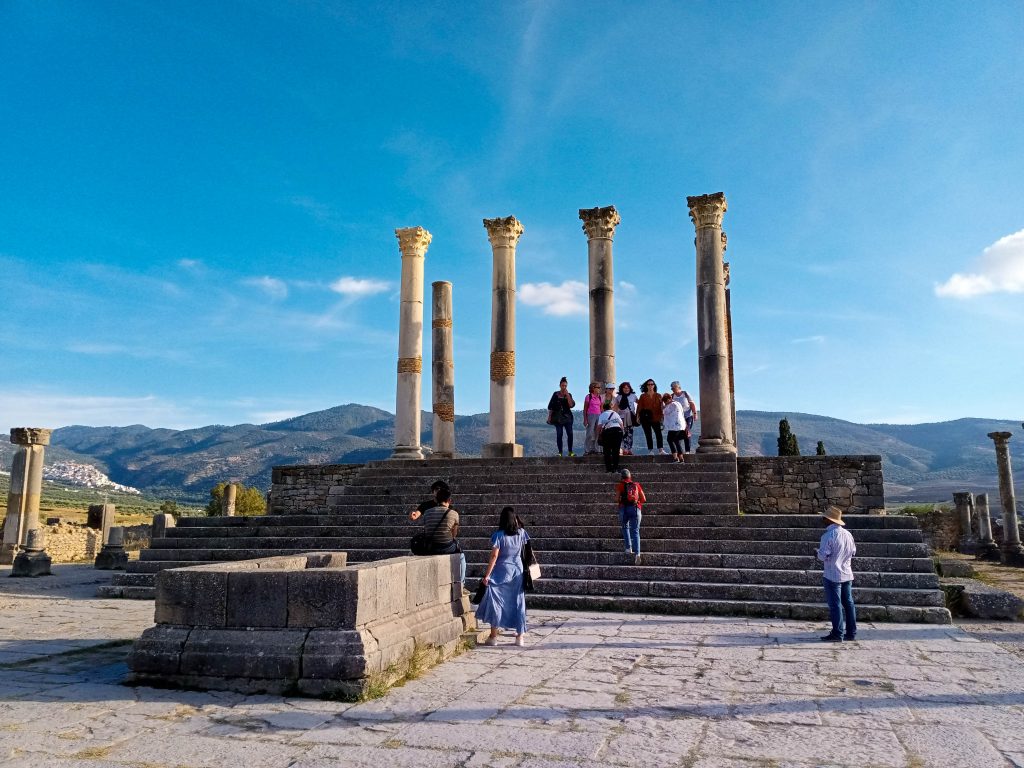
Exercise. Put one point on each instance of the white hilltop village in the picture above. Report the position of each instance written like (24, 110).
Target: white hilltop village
(86, 475)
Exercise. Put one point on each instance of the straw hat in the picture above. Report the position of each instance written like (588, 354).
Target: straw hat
(834, 515)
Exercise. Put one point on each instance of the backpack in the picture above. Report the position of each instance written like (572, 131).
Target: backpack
(630, 494)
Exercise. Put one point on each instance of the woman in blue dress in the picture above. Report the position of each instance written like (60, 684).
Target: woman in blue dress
(504, 602)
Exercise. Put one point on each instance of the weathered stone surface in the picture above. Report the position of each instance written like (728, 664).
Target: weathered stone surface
(161, 523)
(967, 597)
(257, 599)
(413, 243)
(783, 484)
(256, 653)
(192, 597)
(955, 569)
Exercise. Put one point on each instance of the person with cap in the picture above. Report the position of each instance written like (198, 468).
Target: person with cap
(609, 435)
(689, 407)
(836, 550)
(629, 497)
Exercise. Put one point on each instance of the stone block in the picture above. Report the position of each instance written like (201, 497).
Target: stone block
(973, 599)
(955, 569)
(158, 650)
(31, 564)
(326, 560)
(194, 596)
(423, 577)
(335, 654)
(391, 587)
(247, 653)
(161, 523)
(257, 599)
(339, 598)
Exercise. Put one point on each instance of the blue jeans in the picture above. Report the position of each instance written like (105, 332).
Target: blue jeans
(839, 596)
(567, 429)
(630, 526)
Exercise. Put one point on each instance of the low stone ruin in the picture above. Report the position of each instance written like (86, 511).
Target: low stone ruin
(302, 624)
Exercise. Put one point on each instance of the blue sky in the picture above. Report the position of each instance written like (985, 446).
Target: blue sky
(198, 200)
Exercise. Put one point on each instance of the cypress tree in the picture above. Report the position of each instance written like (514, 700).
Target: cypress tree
(788, 445)
(821, 448)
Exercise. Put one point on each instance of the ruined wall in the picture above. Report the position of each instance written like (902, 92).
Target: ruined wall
(68, 542)
(940, 528)
(809, 484)
(303, 489)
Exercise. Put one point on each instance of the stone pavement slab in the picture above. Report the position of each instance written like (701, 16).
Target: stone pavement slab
(587, 690)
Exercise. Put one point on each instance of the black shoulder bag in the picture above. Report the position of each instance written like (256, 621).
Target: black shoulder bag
(423, 543)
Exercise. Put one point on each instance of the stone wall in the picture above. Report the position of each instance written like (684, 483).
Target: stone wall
(809, 484)
(303, 489)
(940, 528)
(302, 624)
(68, 542)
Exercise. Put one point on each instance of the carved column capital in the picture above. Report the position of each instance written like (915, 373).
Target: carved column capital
(504, 231)
(1001, 438)
(725, 242)
(413, 241)
(725, 267)
(30, 436)
(600, 222)
(707, 211)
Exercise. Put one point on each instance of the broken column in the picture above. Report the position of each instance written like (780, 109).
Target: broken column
(716, 429)
(413, 243)
(443, 369)
(161, 523)
(987, 547)
(228, 500)
(964, 502)
(504, 234)
(1013, 553)
(26, 487)
(113, 556)
(32, 560)
(599, 225)
(100, 517)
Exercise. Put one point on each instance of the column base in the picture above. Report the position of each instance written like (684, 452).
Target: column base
(502, 451)
(440, 455)
(714, 445)
(111, 559)
(968, 545)
(407, 452)
(8, 553)
(31, 564)
(989, 551)
(1014, 555)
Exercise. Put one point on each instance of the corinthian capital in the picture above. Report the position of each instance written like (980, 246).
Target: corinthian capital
(503, 231)
(413, 241)
(1000, 438)
(30, 436)
(600, 222)
(707, 210)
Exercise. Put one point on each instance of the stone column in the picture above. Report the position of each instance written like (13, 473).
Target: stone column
(987, 547)
(728, 326)
(599, 225)
(443, 369)
(504, 234)
(227, 500)
(23, 500)
(32, 560)
(161, 523)
(413, 243)
(716, 430)
(1013, 553)
(964, 502)
(113, 556)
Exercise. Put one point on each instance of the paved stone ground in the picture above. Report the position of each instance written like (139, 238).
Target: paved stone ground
(590, 689)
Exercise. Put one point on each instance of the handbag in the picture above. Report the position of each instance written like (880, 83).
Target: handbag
(531, 568)
(422, 543)
(477, 596)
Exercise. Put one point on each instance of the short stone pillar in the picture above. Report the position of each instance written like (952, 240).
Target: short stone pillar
(413, 243)
(32, 560)
(504, 234)
(716, 430)
(161, 523)
(26, 489)
(443, 369)
(227, 500)
(987, 547)
(964, 502)
(599, 225)
(113, 557)
(1013, 553)
(100, 517)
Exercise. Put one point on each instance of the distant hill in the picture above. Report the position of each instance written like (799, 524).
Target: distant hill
(922, 462)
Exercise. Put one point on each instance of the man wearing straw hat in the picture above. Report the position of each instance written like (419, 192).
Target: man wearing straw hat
(836, 550)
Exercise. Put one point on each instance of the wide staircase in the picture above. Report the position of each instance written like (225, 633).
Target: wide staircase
(699, 555)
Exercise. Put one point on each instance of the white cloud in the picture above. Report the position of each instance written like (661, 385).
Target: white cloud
(569, 298)
(1000, 270)
(808, 340)
(191, 265)
(49, 409)
(274, 287)
(358, 287)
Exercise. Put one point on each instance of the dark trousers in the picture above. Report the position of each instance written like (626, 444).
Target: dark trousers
(559, 429)
(656, 427)
(839, 596)
(611, 440)
(675, 438)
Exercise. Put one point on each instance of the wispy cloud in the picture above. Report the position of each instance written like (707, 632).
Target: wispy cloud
(49, 409)
(817, 339)
(191, 265)
(274, 287)
(563, 300)
(1000, 270)
(109, 349)
(358, 287)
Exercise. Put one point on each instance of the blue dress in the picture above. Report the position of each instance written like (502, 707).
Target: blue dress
(504, 603)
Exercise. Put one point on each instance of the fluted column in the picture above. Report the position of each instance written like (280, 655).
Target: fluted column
(443, 369)
(23, 500)
(413, 243)
(987, 547)
(504, 234)
(599, 225)
(716, 429)
(1013, 553)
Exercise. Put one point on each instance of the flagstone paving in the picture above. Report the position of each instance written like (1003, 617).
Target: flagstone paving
(589, 689)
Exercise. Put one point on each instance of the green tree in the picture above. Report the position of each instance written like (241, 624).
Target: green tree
(169, 507)
(248, 501)
(788, 445)
(820, 450)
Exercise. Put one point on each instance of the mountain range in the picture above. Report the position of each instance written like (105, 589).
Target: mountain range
(922, 462)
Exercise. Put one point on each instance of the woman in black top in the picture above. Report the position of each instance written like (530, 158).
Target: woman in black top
(560, 414)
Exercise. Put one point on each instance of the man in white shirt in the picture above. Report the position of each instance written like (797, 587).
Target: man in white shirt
(836, 550)
(682, 397)
(609, 434)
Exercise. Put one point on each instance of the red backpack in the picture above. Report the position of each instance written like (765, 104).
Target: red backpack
(630, 494)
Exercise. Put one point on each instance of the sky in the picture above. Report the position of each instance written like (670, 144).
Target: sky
(198, 200)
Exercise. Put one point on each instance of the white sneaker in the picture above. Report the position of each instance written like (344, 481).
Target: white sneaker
(636, 560)
(520, 641)
(663, 452)
(491, 640)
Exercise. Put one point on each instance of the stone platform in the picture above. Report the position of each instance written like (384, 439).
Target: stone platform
(700, 555)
